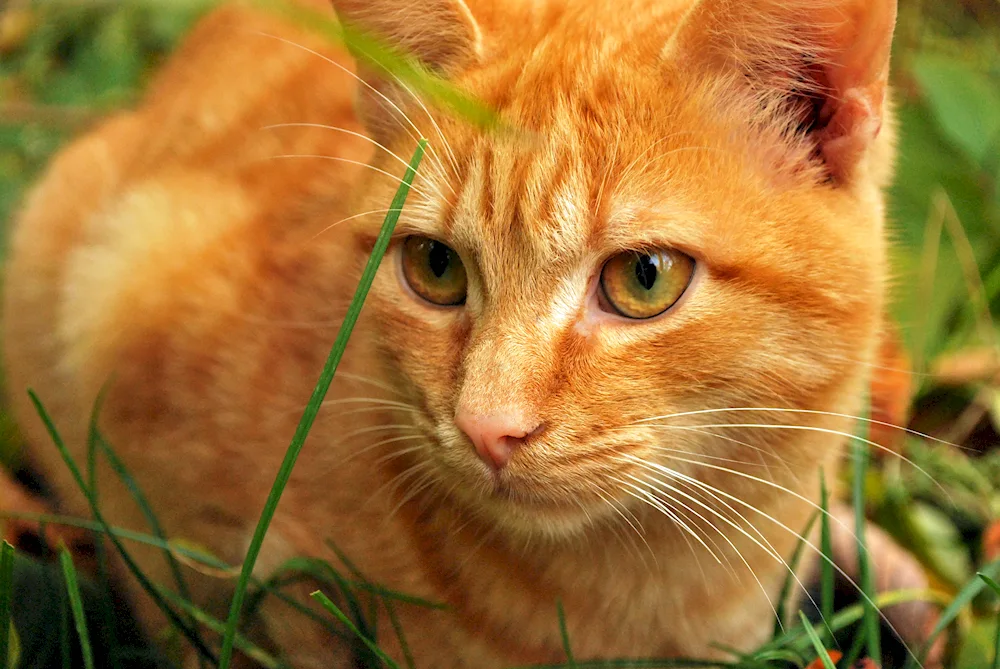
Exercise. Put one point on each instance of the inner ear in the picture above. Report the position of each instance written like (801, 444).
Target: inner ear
(821, 65)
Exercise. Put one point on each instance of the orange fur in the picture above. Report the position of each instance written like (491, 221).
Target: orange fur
(171, 255)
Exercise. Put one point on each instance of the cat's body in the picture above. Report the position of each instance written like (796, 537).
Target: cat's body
(172, 257)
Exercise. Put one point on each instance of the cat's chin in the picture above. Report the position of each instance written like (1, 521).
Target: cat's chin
(535, 519)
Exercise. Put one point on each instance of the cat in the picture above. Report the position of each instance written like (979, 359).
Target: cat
(603, 363)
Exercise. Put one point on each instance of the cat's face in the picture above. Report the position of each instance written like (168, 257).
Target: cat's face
(564, 302)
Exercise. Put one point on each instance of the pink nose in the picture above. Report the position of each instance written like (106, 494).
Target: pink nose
(496, 436)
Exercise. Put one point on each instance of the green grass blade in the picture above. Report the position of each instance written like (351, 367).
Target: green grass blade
(76, 607)
(315, 401)
(826, 548)
(106, 629)
(254, 652)
(871, 623)
(390, 608)
(564, 634)
(996, 643)
(784, 596)
(95, 442)
(817, 644)
(6, 599)
(133, 568)
(125, 476)
(968, 592)
(397, 628)
(327, 604)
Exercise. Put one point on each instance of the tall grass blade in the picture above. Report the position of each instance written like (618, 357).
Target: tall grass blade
(254, 652)
(109, 636)
(76, 607)
(827, 583)
(125, 476)
(387, 602)
(564, 633)
(969, 591)
(817, 644)
(95, 442)
(327, 604)
(133, 568)
(996, 643)
(6, 599)
(786, 588)
(871, 622)
(315, 401)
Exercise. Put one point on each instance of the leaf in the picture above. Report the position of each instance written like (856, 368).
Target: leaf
(824, 659)
(965, 103)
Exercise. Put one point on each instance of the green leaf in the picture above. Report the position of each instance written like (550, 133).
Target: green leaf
(965, 103)
(952, 611)
(817, 644)
(315, 402)
(996, 643)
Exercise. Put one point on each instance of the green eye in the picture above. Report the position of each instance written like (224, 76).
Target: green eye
(434, 271)
(642, 285)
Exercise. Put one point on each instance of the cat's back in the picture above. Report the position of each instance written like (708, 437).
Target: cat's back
(157, 219)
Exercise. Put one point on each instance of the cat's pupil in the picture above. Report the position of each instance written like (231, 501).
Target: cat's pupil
(645, 271)
(439, 258)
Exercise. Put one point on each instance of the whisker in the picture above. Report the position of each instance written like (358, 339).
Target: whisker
(334, 128)
(711, 491)
(361, 378)
(437, 128)
(380, 94)
(349, 161)
(379, 444)
(805, 541)
(636, 526)
(645, 496)
(351, 218)
(815, 412)
(824, 430)
(739, 528)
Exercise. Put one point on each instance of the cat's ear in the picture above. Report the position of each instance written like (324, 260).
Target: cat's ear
(824, 62)
(441, 34)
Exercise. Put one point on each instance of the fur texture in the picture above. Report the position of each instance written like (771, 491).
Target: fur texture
(180, 257)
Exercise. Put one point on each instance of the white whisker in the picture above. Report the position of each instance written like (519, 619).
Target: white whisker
(349, 161)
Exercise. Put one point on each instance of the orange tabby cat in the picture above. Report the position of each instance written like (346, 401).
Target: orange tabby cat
(537, 403)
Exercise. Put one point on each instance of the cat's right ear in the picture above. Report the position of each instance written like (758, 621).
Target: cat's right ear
(442, 35)
(823, 65)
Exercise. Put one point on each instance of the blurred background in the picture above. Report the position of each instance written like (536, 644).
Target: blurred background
(64, 65)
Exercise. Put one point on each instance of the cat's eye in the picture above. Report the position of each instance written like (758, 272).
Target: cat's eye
(643, 284)
(434, 271)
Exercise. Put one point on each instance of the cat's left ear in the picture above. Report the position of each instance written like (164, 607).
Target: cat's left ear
(441, 34)
(826, 62)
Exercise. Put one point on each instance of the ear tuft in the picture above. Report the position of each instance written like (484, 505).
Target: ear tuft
(824, 63)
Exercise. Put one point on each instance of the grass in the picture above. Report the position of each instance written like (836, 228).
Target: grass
(66, 65)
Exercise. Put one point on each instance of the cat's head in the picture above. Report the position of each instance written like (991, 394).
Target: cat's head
(681, 214)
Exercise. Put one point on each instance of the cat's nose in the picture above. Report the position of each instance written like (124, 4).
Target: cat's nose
(496, 436)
